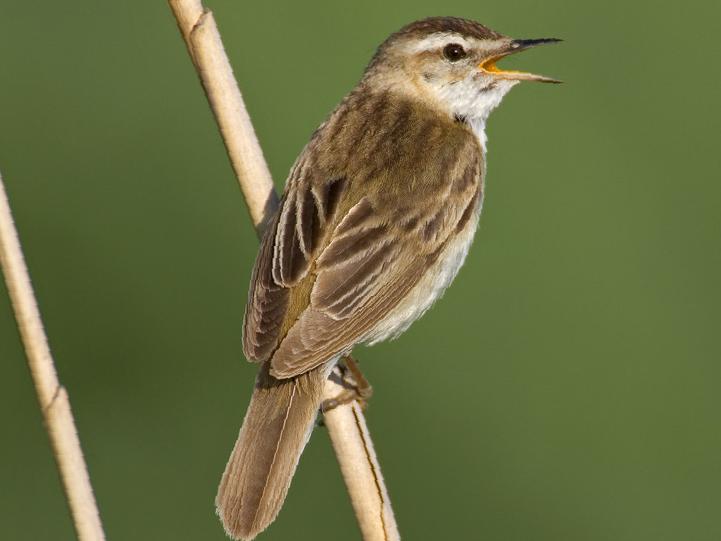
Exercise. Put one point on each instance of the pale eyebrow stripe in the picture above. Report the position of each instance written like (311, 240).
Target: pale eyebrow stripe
(436, 41)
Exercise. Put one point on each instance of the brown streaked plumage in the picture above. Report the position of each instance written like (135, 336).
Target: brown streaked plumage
(377, 216)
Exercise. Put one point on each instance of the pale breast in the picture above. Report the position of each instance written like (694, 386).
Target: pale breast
(430, 287)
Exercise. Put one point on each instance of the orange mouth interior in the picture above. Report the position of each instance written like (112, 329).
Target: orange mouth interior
(490, 65)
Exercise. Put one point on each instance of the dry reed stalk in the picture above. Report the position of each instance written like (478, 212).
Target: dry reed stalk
(346, 424)
(52, 396)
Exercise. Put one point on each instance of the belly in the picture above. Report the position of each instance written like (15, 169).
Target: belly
(429, 288)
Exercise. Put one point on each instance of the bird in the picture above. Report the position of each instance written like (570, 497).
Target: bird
(377, 216)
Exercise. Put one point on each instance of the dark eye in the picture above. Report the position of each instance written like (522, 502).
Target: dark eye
(454, 52)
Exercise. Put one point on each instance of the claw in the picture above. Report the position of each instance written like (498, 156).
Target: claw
(356, 387)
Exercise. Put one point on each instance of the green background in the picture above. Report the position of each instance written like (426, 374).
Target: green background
(567, 386)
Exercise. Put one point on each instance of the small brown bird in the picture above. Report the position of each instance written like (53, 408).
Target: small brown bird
(378, 214)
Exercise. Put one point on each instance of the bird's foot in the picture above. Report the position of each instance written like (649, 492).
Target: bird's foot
(355, 386)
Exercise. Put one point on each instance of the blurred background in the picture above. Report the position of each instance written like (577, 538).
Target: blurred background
(565, 388)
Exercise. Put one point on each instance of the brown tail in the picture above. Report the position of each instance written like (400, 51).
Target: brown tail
(276, 428)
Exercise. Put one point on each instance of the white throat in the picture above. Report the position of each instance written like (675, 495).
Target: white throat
(473, 99)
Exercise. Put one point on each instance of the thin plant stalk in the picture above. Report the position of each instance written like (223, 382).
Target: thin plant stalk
(346, 424)
(52, 396)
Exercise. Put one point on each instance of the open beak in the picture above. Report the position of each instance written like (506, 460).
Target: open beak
(516, 46)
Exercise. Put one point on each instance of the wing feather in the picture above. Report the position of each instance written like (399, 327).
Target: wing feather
(347, 246)
(267, 302)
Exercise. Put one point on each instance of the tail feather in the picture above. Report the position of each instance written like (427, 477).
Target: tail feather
(276, 428)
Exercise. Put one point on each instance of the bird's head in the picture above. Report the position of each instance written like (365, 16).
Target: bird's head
(450, 63)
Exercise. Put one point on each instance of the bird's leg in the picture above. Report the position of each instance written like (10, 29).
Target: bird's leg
(356, 386)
